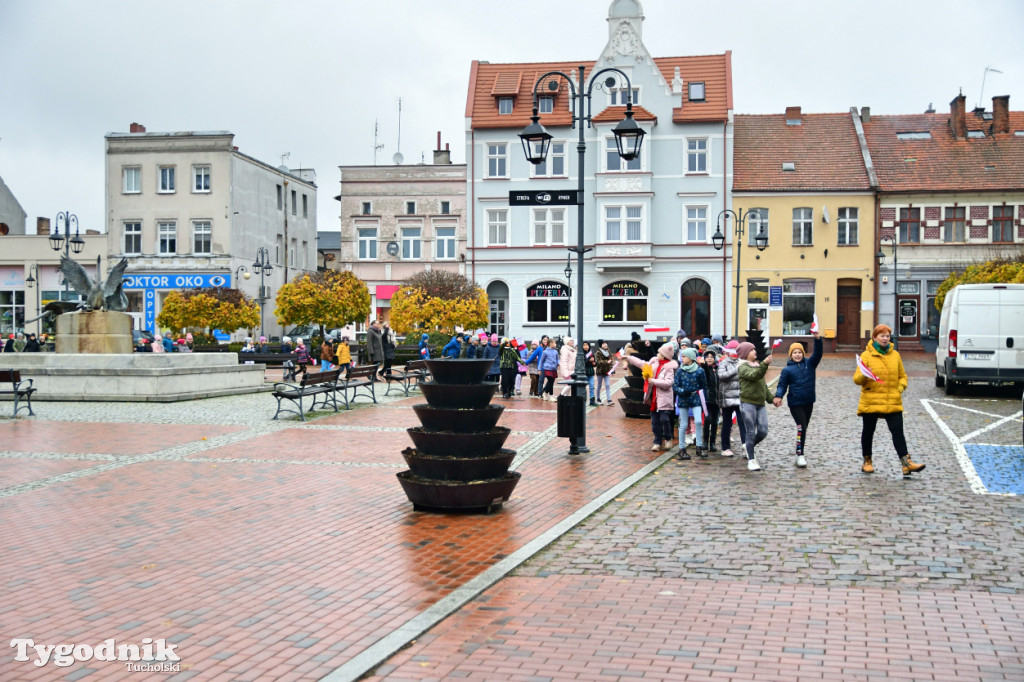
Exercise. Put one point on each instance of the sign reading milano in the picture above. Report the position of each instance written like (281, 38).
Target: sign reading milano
(543, 198)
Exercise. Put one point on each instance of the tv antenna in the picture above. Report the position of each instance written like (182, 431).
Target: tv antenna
(398, 158)
(376, 147)
(983, 76)
(284, 157)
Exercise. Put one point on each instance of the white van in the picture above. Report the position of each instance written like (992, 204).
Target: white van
(981, 336)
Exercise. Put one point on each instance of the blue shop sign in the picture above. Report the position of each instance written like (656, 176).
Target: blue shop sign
(775, 297)
(183, 280)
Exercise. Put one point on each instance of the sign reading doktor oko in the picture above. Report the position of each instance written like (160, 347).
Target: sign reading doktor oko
(150, 284)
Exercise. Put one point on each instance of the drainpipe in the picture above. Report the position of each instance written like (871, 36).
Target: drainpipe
(725, 205)
(472, 204)
(286, 231)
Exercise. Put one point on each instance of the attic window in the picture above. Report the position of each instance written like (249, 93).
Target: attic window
(914, 135)
(1019, 133)
(990, 168)
(696, 92)
(504, 105)
(789, 166)
(975, 133)
(546, 105)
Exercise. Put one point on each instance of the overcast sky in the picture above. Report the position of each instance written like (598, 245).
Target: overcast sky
(311, 78)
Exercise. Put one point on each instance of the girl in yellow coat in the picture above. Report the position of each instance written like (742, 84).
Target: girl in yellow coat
(882, 399)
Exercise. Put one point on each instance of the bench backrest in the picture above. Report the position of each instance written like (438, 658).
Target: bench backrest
(362, 372)
(12, 375)
(315, 378)
(414, 365)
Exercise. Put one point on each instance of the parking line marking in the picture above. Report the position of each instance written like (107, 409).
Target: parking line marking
(961, 453)
(1012, 417)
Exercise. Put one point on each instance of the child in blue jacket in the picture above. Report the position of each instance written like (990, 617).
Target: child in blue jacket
(798, 378)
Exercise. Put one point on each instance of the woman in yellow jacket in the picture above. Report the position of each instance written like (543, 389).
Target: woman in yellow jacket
(882, 398)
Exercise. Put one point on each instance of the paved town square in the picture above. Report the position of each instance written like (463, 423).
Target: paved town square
(283, 550)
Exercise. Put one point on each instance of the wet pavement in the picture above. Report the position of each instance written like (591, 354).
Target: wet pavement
(280, 550)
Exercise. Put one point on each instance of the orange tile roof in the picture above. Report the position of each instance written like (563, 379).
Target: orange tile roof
(616, 114)
(824, 149)
(488, 81)
(943, 163)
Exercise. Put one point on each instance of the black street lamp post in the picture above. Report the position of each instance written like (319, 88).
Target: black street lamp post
(536, 141)
(263, 267)
(895, 288)
(30, 282)
(57, 240)
(568, 278)
(718, 239)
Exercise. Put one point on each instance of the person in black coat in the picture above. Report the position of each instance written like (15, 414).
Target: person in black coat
(711, 397)
(32, 345)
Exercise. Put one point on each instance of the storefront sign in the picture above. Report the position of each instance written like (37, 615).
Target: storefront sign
(548, 290)
(183, 280)
(775, 297)
(617, 289)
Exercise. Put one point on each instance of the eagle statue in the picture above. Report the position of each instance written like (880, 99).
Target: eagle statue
(98, 295)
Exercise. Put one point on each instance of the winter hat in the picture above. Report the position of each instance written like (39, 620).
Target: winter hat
(705, 341)
(716, 338)
(284, 339)
(712, 352)
(743, 350)
(181, 342)
(600, 342)
(263, 339)
(685, 342)
(494, 338)
(634, 337)
(796, 346)
(424, 337)
(690, 353)
(681, 332)
(732, 345)
(667, 351)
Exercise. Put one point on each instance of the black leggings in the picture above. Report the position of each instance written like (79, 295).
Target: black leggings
(549, 385)
(894, 420)
(802, 417)
(711, 426)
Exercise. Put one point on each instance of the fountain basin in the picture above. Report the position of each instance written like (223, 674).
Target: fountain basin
(462, 397)
(455, 444)
(460, 420)
(445, 468)
(448, 371)
(431, 494)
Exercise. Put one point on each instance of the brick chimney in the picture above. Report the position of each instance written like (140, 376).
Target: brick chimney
(42, 226)
(958, 117)
(792, 116)
(865, 114)
(1001, 114)
(442, 157)
(137, 128)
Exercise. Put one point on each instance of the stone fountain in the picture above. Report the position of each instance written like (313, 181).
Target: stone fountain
(458, 463)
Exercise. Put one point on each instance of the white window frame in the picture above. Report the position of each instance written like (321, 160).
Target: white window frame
(624, 219)
(545, 223)
(755, 305)
(617, 96)
(546, 104)
(496, 159)
(546, 169)
(625, 304)
(497, 223)
(201, 172)
(805, 224)
(366, 208)
(202, 228)
(949, 224)
(623, 165)
(548, 301)
(165, 180)
(845, 223)
(366, 243)
(787, 284)
(166, 235)
(445, 243)
(131, 180)
(703, 91)
(698, 221)
(136, 237)
(756, 218)
(697, 151)
(506, 105)
(412, 244)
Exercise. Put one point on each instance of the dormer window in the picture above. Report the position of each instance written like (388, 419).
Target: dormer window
(617, 98)
(696, 92)
(975, 133)
(545, 105)
(504, 105)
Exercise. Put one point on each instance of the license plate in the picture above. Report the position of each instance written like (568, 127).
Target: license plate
(977, 356)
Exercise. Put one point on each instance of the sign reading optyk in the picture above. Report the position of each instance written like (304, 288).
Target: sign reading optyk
(544, 198)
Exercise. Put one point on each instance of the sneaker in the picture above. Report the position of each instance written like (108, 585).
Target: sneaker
(726, 453)
(683, 455)
(656, 447)
(800, 461)
(752, 465)
(667, 445)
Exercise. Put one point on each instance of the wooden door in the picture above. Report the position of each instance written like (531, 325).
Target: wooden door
(848, 321)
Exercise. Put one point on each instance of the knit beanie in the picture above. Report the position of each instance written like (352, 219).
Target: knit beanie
(796, 346)
(681, 332)
(494, 338)
(717, 338)
(690, 353)
(743, 350)
(732, 345)
(667, 351)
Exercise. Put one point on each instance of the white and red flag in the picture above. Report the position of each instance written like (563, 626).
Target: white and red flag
(865, 371)
(814, 323)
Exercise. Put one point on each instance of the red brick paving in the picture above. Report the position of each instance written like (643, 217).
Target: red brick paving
(106, 438)
(14, 471)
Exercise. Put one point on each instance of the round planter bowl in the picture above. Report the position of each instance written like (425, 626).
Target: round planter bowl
(458, 468)
(448, 371)
(486, 495)
(458, 396)
(635, 408)
(462, 421)
(454, 444)
(635, 382)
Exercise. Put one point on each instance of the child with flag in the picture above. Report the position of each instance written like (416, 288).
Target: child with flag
(798, 377)
(882, 380)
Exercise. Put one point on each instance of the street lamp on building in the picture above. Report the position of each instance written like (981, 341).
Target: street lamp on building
(894, 240)
(30, 282)
(66, 241)
(263, 267)
(718, 239)
(536, 141)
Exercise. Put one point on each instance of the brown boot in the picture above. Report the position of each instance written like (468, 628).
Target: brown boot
(910, 467)
(867, 468)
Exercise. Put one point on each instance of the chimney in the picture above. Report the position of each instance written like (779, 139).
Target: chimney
(792, 116)
(42, 226)
(442, 157)
(958, 117)
(137, 128)
(865, 114)
(1001, 114)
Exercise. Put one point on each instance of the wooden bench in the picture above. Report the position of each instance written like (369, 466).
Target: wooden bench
(277, 359)
(407, 377)
(19, 389)
(360, 378)
(313, 384)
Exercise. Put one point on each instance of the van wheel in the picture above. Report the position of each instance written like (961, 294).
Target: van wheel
(950, 387)
(939, 381)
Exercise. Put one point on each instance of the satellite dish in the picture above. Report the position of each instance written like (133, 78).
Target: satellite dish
(825, 218)
(392, 246)
(398, 158)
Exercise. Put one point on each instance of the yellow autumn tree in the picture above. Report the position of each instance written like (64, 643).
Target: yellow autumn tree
(998, 271)
(208, 309)
(333, 298)
(438, 300)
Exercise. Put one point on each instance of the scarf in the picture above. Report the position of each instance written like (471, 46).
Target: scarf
(604, 352)
(881, 349)
(654, 389)
(692, 367)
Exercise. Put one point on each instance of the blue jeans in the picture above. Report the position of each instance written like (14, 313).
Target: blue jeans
(607, 381)
(698, 419)
(590, 382)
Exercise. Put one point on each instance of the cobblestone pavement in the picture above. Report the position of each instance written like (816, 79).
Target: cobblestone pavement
(279, 550)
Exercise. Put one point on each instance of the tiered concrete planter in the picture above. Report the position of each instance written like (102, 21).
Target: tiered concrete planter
(458, 463)
(632, 403)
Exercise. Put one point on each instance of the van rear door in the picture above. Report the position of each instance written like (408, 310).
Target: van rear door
(1010, 344)
(977, 332)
